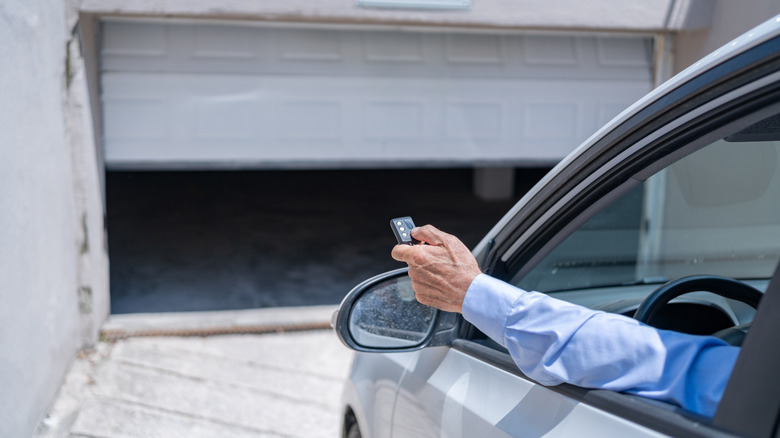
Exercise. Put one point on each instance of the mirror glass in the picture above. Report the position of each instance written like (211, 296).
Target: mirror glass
(387, 315)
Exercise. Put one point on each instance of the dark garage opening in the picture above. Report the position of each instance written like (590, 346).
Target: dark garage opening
(219, 240)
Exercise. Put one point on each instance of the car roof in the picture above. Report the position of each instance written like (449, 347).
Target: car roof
(743, 43)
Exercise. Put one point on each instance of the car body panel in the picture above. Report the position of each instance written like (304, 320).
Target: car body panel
(456, 397)
(372, 388)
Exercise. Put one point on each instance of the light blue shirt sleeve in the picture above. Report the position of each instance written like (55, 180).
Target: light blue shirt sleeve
(553, 341)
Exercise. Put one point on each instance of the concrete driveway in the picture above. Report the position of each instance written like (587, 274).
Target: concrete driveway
(285, 384)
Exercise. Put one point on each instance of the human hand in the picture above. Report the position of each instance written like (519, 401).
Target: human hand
(441, 271)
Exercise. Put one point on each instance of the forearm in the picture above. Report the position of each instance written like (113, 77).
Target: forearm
(540, 333)
(553, 341)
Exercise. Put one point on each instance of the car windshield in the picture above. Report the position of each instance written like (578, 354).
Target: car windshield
(716, 211)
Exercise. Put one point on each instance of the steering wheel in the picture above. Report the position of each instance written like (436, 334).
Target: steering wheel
(725, 287)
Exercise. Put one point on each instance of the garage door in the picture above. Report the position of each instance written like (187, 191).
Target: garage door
(205, 95)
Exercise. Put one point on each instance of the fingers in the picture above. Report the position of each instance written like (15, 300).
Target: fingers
(413, 255)
(425, 234)
(441, 271)
(429, 234)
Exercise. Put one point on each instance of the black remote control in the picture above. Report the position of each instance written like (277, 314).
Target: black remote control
(401, 228)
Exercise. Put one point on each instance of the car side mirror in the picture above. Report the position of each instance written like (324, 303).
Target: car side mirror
(382, 315)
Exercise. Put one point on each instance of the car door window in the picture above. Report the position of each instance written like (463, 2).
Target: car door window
(715, 211)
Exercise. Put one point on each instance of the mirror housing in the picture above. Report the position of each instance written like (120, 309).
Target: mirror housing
(382, 315)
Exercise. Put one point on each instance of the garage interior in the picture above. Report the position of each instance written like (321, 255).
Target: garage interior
(219, 240)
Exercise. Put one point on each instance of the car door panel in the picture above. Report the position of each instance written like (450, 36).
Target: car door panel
(468, 397)
(375, 380)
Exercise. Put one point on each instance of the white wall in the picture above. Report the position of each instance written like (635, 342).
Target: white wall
(599, 15)
(53, 267)
(728, 19)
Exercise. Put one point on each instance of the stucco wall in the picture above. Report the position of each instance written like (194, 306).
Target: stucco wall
(728, 19)
(568, 15)
(51, 238)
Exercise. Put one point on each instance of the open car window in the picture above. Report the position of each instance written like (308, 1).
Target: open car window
(716, 211)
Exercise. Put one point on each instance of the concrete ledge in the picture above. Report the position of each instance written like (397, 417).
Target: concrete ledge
(270, 319)
(569, 15)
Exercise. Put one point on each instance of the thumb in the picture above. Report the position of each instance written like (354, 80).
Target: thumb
(402, 253)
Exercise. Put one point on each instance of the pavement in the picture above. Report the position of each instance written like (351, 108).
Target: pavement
(152, 375)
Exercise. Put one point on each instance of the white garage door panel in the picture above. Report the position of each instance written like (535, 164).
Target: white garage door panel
(205, 95)
(157, 118)
(155, 47)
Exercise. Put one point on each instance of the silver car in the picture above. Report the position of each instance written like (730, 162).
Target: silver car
(669, 214)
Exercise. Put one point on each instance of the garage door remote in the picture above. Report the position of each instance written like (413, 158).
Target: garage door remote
(401, 228)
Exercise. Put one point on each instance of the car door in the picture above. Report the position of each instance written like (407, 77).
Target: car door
(474, 391)
(473, 388)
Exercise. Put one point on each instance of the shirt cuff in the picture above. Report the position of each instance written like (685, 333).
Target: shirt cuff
(487, 304)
